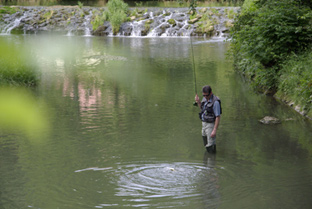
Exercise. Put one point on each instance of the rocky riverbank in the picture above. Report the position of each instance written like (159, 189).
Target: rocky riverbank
(286, 100)
(210, 21)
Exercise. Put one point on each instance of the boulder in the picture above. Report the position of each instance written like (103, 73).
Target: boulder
(100, 30)
(145, 30)
(269, 120)
(126, 29)
(172, 22)
(203, 10)
(192, 21)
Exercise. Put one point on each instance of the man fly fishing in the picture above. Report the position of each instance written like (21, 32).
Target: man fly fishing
(210, 114)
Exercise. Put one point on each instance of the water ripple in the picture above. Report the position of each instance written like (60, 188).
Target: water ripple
(158, 184)
(162, 182)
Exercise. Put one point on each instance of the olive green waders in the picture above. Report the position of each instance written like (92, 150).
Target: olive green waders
(209, 142)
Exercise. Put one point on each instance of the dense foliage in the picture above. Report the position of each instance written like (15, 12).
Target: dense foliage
(266, 36)
(116, 13)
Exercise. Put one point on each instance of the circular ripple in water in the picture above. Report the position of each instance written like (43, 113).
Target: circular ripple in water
(167, 185)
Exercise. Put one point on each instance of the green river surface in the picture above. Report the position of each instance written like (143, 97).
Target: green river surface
(124, 132)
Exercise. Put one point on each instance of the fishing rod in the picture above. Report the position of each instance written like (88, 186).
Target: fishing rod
(194, 70)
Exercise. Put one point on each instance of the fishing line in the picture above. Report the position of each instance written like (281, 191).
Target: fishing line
(194, 70)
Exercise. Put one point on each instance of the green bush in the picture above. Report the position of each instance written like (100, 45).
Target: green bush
(265, 33)
(99, 20)
(117, 19)
(116, 13)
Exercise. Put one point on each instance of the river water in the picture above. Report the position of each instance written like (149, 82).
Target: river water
(124, 132)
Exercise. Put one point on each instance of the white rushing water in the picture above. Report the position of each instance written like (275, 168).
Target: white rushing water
(87, 25)
(9, 27)
(151, 23)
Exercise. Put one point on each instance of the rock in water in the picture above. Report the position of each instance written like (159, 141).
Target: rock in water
(270, 120)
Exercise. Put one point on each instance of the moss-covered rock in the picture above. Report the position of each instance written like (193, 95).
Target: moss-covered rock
(172, 22)
(146, 29)
(101, 30)
(149, 21)
(166, 14)
(204, 28)
(194, 20)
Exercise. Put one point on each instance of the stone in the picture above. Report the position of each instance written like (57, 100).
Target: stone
(269, 120)
(149, 21)
(100, 30)
(203, 10)
(192, 21)
(209, 29)
(172, 22)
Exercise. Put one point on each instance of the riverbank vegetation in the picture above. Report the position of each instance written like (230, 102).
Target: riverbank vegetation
(116, 13)
(16, 68)
(271, 46)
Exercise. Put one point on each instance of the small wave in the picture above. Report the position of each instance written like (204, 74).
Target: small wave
(93, 169)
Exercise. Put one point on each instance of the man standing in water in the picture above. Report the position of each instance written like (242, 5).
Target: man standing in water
(211, 111)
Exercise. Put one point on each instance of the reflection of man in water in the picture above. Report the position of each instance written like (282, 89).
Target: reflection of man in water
(211, 111)
(210, 183)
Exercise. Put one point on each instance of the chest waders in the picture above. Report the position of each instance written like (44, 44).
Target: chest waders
(212, 148)
(207, 115)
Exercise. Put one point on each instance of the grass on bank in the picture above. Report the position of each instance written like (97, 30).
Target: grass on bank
(8, 10)
(16, 67)
(296, 80)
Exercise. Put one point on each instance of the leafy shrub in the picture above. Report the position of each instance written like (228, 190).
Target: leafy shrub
(193, 5)
(117, 19)
(99, 20)
(230, 13)
(266, 34)
(80, 4)
(278, 28)
(116, 13)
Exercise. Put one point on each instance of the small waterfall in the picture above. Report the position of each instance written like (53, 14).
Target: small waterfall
(152, 23)
(70, 33)
(167, 29)
(137, 27)
(8, 28)
(87, 24)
